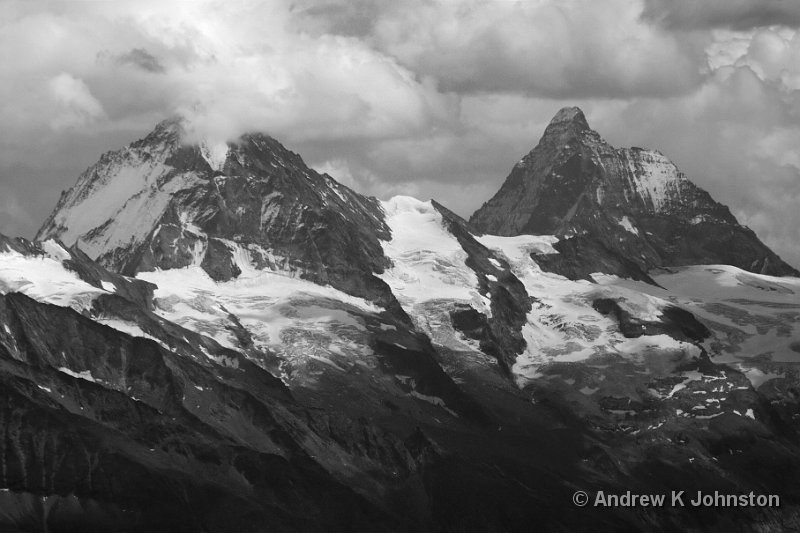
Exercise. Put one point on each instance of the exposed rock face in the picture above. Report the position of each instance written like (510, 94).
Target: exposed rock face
(637, 207)
(499, 334)
(130, 436)
(102, 430)
(292, 356)
(160, 203)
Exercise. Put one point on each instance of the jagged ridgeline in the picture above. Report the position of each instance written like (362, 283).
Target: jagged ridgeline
(214, 337)
(160, 203)
(618, 211)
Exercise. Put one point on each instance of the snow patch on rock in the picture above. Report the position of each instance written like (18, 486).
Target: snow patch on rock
(655, 178)
(85, 374)
(108, 286)
(55, 250)
(215, 154)
(516, 249)
(625, 222)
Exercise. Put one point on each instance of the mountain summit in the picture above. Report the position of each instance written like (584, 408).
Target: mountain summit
(164, 203)
(569, 119)
(620, 211)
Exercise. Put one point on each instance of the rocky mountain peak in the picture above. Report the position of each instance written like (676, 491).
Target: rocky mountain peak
(571, 117)
(169, 132)
(223, 206)
(567, 133)
(174, 125)
(569, 127)
(173, 139)
(631, 206)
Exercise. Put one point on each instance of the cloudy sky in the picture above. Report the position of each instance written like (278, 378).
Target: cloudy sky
(429, 98)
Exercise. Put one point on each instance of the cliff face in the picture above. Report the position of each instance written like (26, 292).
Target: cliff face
(633, 207)
(160, 203)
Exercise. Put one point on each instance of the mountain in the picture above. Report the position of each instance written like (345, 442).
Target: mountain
(618, 211)
(116, 419)
(162, 203)
(240, 212)
(182, 350)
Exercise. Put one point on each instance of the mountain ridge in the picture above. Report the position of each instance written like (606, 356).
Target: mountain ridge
(634, 205)
(275, 352)
(160, 203)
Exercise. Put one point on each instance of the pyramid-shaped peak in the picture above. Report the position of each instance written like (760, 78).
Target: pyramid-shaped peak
(570, 116)
(634, 203)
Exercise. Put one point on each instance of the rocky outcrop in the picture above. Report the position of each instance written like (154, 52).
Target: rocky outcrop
(632, 207)
(160, 203)
(674, 321)
(500, 334)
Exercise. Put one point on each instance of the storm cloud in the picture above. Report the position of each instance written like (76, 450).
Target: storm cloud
(428, 98)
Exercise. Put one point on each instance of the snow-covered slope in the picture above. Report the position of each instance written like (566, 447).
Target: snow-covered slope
(117, 202)
(755, 318)
(655, 180)
(44, 278)
(282, 323)
(50, 273)
(565, 326)
(428, 263)
(430, 277)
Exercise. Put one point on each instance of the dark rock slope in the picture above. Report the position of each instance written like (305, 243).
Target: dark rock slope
(101, 431)
(619, 211)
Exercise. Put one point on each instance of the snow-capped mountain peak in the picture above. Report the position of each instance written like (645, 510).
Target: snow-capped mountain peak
(574, 184)
(163, 203)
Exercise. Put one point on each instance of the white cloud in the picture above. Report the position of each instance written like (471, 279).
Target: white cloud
(231, 67)
(75, 104)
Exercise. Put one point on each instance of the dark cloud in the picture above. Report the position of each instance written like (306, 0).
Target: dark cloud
(141, 58)
(733, 14)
